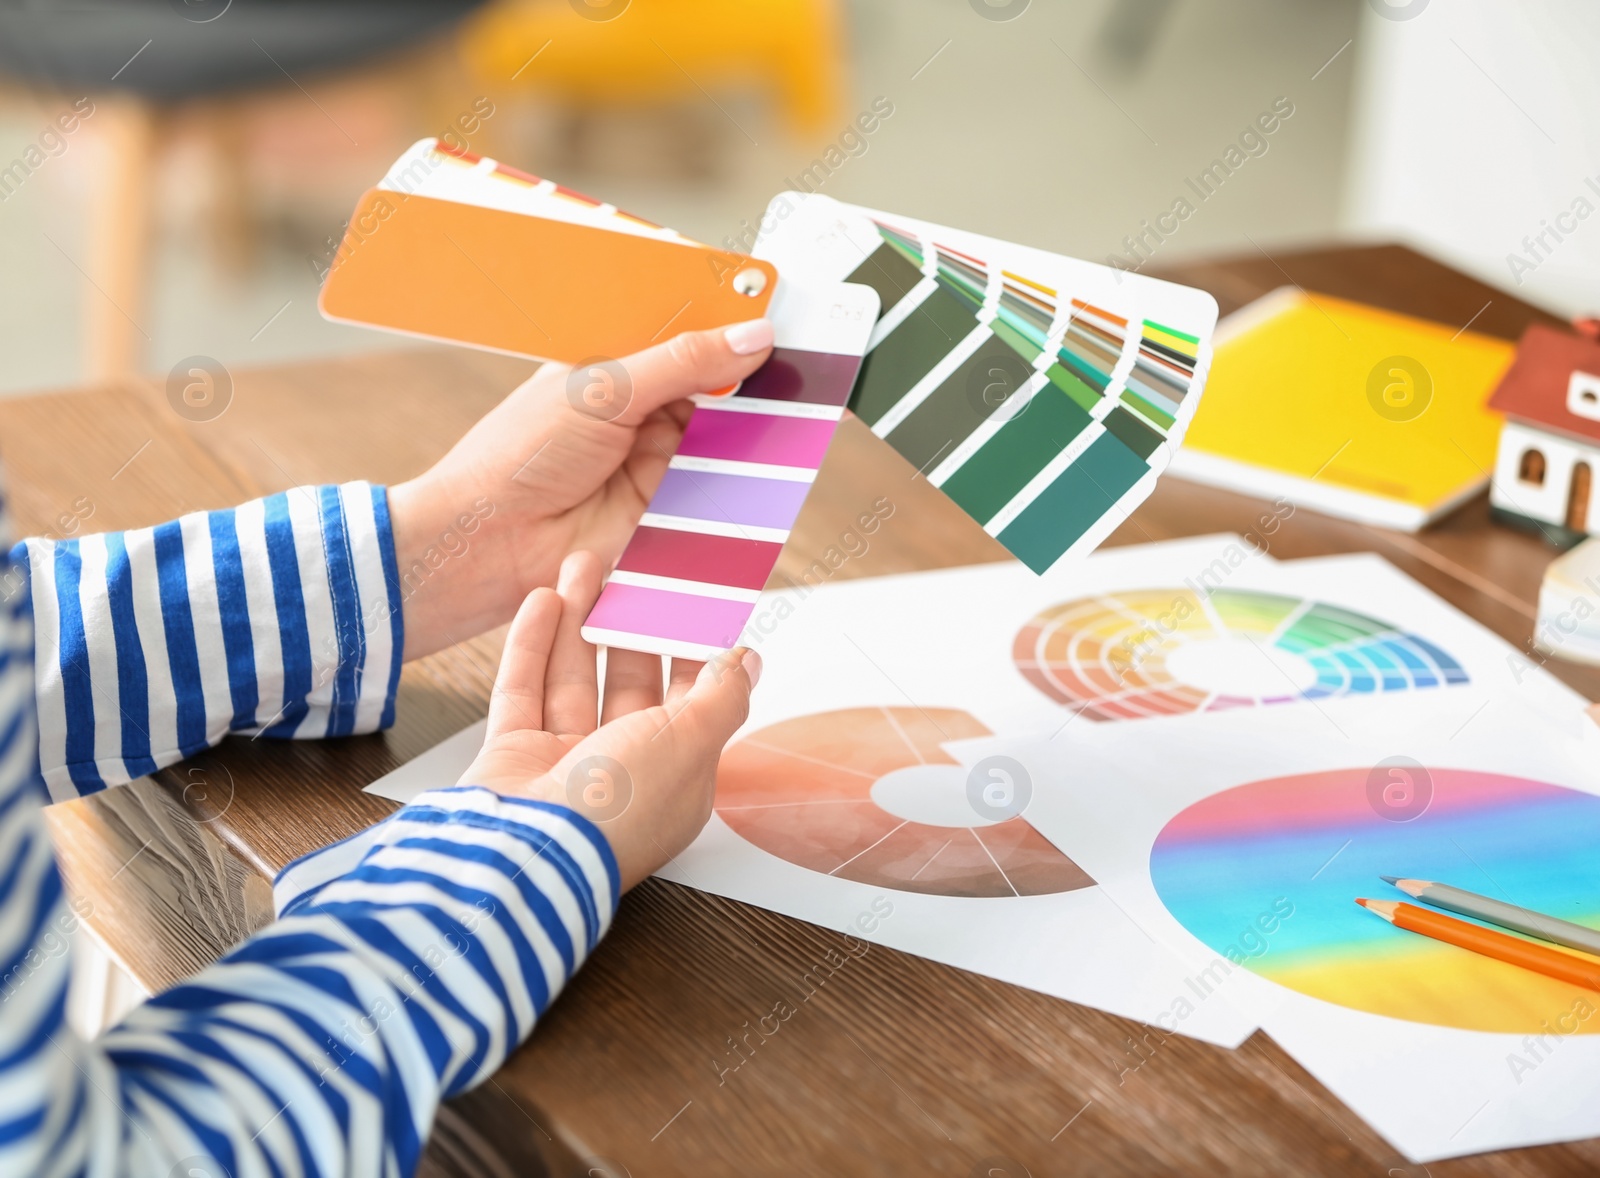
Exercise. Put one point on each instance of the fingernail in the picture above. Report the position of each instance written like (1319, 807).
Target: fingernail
(752, 667)
(749, 337)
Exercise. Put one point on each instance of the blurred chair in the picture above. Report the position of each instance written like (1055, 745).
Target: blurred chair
(139, 60)
(654, 51)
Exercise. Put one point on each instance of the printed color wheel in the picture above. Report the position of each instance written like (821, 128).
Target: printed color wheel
(811, 791)
(1155, 652)
(1266, 875)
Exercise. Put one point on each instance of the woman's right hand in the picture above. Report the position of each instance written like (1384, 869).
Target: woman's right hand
(641, 763)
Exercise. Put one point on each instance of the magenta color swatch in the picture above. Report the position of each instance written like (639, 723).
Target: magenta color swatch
(684, 617)
(757, 437)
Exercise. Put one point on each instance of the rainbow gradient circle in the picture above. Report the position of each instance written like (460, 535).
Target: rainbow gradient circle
(1266, 875)
(1157, 652)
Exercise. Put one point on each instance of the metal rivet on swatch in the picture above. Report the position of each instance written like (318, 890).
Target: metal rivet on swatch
(750, 282)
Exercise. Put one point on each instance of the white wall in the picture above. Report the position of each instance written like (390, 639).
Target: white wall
(1476, 123)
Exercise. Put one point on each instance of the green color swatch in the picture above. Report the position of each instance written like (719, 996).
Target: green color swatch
(1019, 450)
(909, 352)
(1066, 509)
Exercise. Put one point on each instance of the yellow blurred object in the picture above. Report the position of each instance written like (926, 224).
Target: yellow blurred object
(1348, 409)
(655, 50)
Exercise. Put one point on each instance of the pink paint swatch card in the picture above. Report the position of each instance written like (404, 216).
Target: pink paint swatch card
(689, 579)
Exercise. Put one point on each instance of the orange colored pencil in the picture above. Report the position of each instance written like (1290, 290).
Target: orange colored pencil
(1552, 963)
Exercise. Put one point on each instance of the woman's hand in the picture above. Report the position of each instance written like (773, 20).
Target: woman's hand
(567, 461)
(643, 766)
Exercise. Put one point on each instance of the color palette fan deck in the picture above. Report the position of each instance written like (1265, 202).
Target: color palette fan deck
(1164, 651)
(690, 576)
(1042, 394)
(435, 169)
(1007, 402)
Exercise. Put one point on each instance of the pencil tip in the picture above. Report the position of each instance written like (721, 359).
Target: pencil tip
(1360, 901)
(1390, 879)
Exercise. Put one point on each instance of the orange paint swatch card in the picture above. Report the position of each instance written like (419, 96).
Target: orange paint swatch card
(530, 285)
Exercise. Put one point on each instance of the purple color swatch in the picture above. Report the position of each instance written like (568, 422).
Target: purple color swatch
(729, 498)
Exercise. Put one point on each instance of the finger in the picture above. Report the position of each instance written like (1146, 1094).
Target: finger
(571, 692)
(717, 702)
(517, 701)
(654, 445)
(694, 362)
(633, 683)
(684, 673)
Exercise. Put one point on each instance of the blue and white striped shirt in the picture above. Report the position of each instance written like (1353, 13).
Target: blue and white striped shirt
(406, 963)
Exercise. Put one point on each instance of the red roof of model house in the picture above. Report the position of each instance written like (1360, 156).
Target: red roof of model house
(1539, 387)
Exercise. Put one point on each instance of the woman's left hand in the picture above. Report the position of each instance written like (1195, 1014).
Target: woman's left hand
(638, 761)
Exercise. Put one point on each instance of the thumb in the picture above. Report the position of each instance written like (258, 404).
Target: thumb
(719, 702)
(694, 362)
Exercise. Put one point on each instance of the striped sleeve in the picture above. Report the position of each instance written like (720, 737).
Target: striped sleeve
(406, 964)
(398, 978)
(324, 1044)
(281, 617)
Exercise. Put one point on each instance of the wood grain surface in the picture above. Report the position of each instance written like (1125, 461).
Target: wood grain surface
(894, 1064)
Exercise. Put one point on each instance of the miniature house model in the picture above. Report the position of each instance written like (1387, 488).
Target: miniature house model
(1546, 474)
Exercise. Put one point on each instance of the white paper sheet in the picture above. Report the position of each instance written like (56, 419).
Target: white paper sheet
(1432, 1090)
(942, 642)
(440, 766)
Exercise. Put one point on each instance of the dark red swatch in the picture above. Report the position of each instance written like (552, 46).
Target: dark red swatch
(695, 556)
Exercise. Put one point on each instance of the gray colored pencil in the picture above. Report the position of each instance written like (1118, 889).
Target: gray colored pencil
(1522, 920)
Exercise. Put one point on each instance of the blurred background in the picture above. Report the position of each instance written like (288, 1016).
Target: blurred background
(175, 174)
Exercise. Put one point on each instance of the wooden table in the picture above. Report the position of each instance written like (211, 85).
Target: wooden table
(898, 1066)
